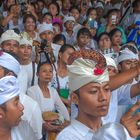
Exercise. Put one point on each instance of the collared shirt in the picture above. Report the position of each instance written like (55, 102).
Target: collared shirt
(76, 131)
(70, 39)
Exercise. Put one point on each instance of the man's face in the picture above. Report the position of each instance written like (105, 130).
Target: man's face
(13, 112)
(93, 99)
(10, 46)
(128, 64)
(25, 52)
(69, 25)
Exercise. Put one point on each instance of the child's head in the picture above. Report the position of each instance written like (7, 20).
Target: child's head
(59, 39)
(83, 37)
(47, 18)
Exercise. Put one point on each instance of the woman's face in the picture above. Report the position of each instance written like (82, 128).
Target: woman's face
(65, 55)
(53, 10)
(45, 73)
(104, 42)
(75, 13)
(116, 38)
(93, 99)
(29, 24)
(113, 18)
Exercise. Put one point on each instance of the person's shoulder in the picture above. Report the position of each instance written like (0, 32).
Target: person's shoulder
(67, 134)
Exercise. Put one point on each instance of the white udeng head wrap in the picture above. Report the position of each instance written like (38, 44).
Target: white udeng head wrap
(8, 88)
(25, 41)
(45, 27)
(110, 62)
(126, 54)
(9, 62)
(9, 35)
(83, 71)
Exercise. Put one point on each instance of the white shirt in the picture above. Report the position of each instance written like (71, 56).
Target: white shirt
(29, 70)
(78, 131)
(54, 103)
(15, 134)
(75, 131)
(32, 115)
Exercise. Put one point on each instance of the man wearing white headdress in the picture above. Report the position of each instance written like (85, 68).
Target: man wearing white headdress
(128, 60)
(24, 54)
(11, 109)
(9, 41)
(32, 114)
(88, 82)
(46, 33)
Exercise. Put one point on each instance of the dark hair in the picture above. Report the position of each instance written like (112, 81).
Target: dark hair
(112, 32)
(84, 31)
(47, 14)
(57, 6)
(41, 64)
(65, 47)
(131, 46)
(74, 7)
(111, 11)
(103, 33)
(89, 11)
(59, 37)
(135, 3)
(28, 16)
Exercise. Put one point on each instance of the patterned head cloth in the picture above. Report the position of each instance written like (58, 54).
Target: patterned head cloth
(9, 35)
(86, 66)
(8, 88)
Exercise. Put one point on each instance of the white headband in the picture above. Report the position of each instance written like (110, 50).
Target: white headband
(8, 88)
(9, 62)
(45, 27)
(126, 54)
(110, 62)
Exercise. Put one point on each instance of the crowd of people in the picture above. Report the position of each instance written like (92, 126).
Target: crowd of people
(69, 69)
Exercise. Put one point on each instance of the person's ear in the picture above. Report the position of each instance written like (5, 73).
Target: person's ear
(59, 55)
(75, 98)
(119, 67)
(1, 113)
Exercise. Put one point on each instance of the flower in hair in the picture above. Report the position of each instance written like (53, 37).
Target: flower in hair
(98, 71)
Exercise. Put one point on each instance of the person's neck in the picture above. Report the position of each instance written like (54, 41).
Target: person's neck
(69, 32)
(93, 123)
(25, 62)
(5, 133)
(43, 85)
(62, 65)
